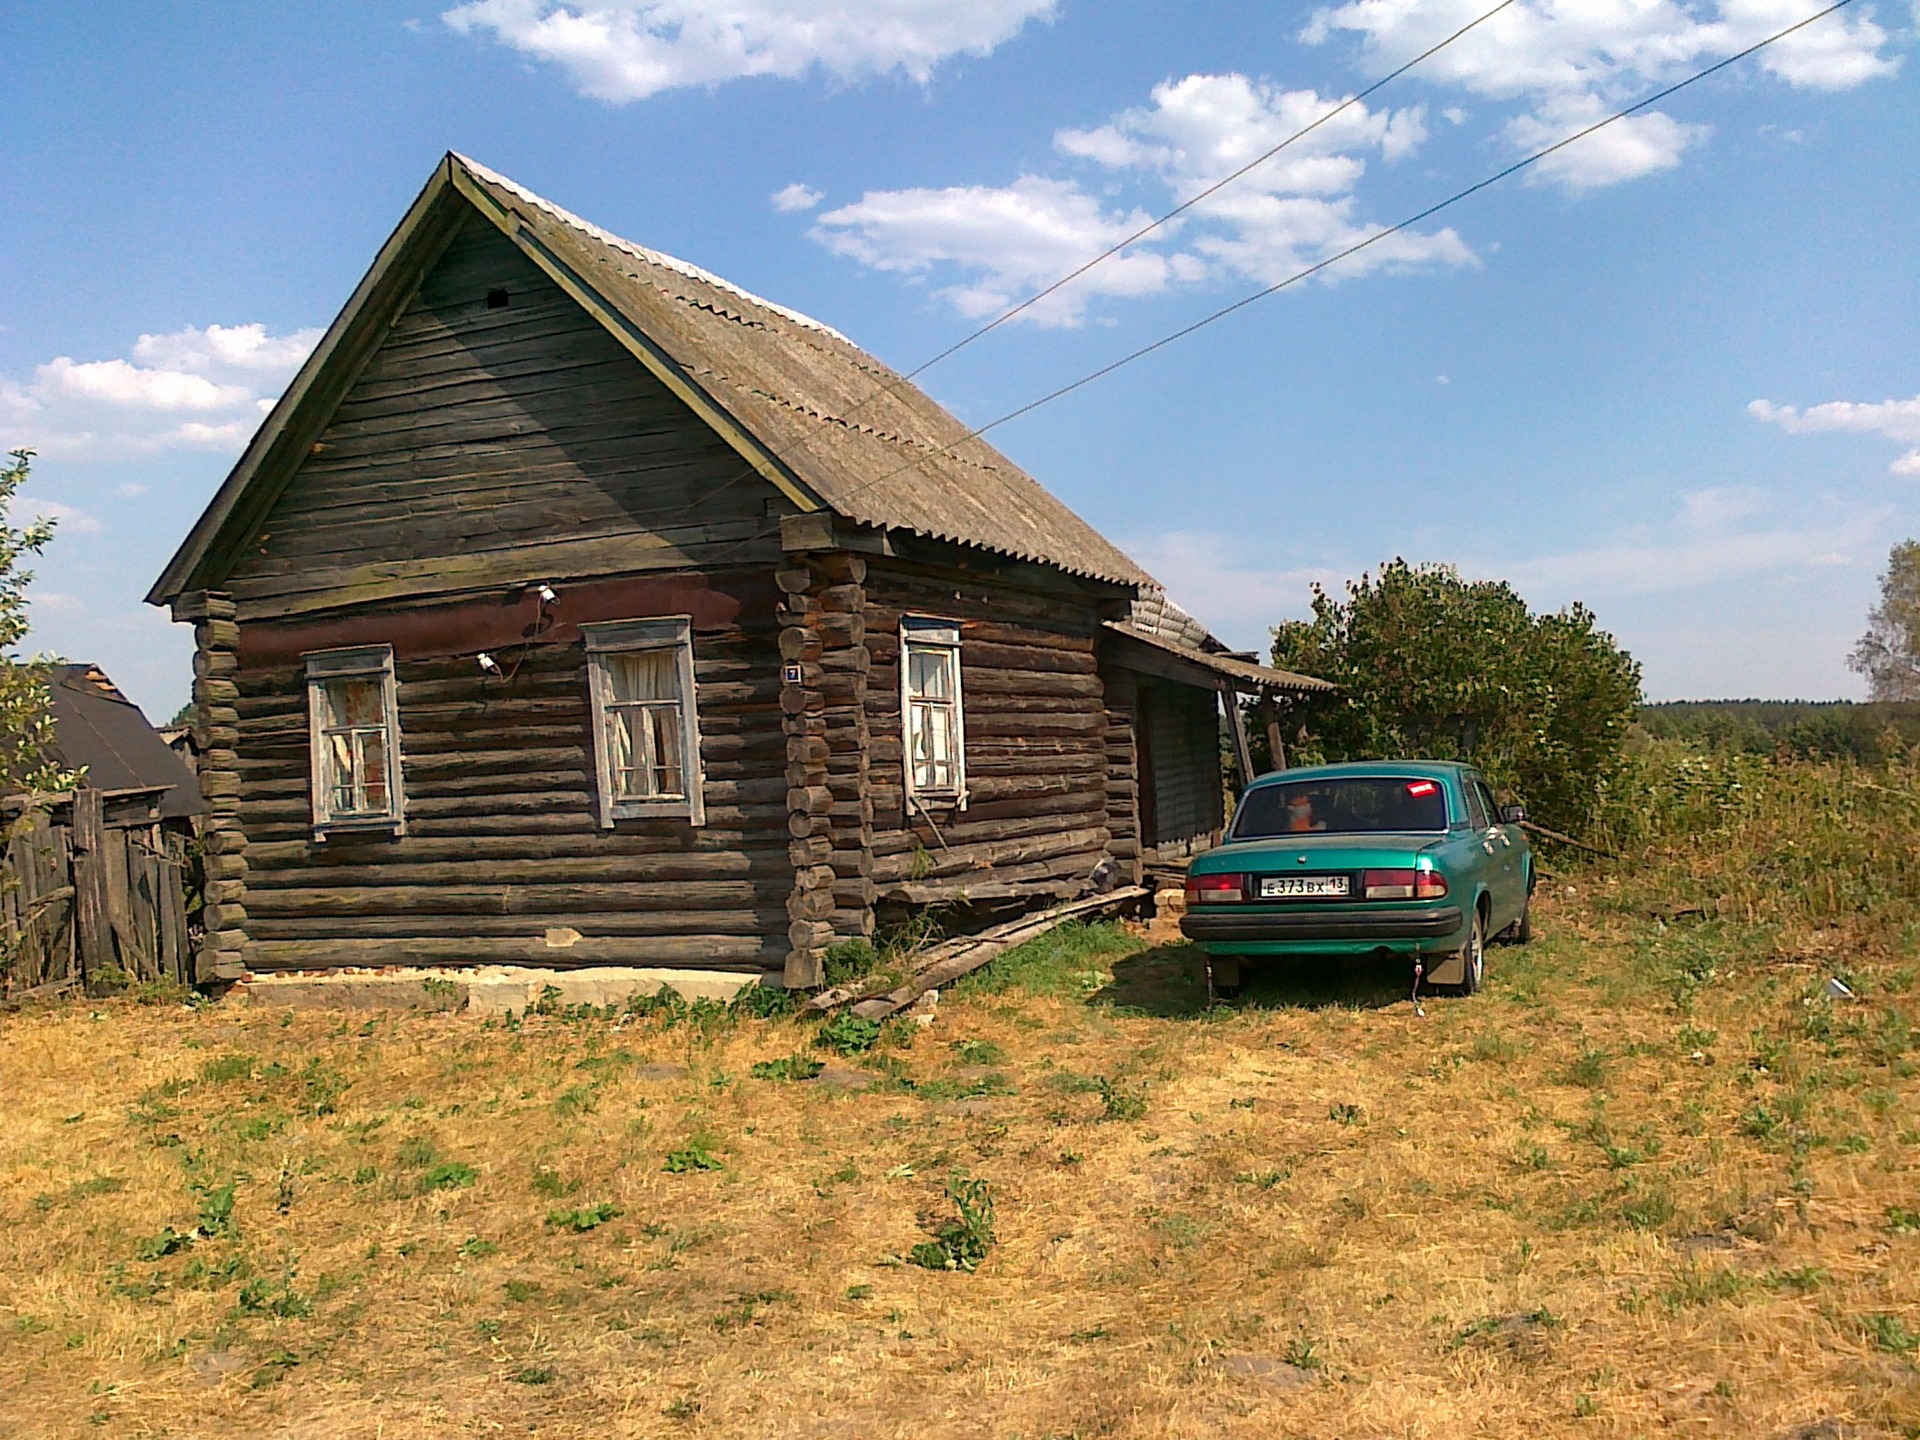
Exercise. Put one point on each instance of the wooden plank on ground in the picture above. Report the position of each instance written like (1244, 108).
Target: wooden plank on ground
(959, 957)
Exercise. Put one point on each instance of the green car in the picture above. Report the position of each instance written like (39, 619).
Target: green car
(1408, 858)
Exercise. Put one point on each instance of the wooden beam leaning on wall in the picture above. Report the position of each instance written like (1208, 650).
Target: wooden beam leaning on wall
(216, 729)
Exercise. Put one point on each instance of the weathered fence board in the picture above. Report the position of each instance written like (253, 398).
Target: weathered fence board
(88, 898)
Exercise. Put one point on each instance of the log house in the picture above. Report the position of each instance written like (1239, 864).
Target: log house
(574, 607)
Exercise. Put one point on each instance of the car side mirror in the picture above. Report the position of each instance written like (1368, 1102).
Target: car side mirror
(1513, 814)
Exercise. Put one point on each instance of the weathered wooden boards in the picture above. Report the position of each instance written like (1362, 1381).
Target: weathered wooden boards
(498, 433)
(84, 900)
(954, 958)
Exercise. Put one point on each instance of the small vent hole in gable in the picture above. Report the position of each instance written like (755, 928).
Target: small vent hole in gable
(496, 299)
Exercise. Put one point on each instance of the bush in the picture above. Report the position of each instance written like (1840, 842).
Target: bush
(1436, 667)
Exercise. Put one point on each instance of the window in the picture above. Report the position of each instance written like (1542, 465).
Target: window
(353, 723)
(646, 732)
(1477, 816)
(1488, 804)
(1353, 806)
(935, 728)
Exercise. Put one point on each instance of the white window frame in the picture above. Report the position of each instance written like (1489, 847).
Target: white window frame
(928, 633)
(615, 637)
(361, 662)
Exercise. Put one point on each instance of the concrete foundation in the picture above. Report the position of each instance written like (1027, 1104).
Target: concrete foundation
(491, 990)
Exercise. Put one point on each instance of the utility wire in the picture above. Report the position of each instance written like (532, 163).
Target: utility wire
(893, 385)
(1354, 249)
(1205, 194)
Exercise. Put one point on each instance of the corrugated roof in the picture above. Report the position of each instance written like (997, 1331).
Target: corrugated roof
(874, 447)
(96, 726)
(1243, 673)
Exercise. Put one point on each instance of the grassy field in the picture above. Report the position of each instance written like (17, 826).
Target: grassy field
(1653, 1179)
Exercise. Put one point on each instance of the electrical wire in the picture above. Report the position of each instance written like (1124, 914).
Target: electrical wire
(1224, 311)
(782, 453)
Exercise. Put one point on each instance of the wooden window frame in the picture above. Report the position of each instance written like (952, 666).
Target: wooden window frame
(616, 637)
(921, 632)
(360, 662)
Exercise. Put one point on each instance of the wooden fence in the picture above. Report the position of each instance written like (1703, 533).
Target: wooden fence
(93, 891)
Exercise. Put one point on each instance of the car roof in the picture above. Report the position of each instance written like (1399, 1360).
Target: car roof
(1362, 769)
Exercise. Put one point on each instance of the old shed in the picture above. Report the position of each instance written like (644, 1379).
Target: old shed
(574, 606)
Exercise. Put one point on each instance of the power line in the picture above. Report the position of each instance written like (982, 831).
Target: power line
(893, 385)
(1205, 194)
(1354, 249)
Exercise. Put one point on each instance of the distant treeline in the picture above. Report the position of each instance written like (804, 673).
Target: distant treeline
(1810, 729)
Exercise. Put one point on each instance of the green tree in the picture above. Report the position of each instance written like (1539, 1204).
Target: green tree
(1436, 667)
(26, 719)
(1889, 653)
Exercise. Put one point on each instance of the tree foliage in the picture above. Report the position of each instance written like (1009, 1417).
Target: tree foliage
(1889, 653)
(1436, 667)
(26, 719)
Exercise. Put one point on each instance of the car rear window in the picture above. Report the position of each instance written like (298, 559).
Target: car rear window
(1354, 806)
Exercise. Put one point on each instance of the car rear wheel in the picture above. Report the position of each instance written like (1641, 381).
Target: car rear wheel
(1473, 958)
(1521, 931)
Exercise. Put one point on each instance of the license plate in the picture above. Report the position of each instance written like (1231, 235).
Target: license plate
(1304, 887)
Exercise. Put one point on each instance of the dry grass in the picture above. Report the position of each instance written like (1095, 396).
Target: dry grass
(1648, 1181)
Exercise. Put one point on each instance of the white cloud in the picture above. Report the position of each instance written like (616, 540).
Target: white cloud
(194, 389)
(1568, 62)
(994, 244)
(796, 197)
(624, 50)
(70, 518)
(1006, 240)
(1229, 583)
(1897, 420)
(1719, 535)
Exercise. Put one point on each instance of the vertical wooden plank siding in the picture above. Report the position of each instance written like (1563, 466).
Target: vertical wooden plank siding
(1180, 742)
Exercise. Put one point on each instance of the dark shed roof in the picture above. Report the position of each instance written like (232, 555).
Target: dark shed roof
(96, 726)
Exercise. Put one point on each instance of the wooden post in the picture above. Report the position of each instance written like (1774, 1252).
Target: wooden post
(1276, 746)
(93, 925)
(1242, 755)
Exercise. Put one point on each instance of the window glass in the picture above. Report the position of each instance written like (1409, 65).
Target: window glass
(354, 718)
(1487, 802)
(1356, 805)
(646, 730)
(644, 711)
(1476, 808)
(933, 718)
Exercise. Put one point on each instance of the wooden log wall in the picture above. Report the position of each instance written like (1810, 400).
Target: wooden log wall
(216, 638)
(1036, 824)
(829, 805)
(504, 859)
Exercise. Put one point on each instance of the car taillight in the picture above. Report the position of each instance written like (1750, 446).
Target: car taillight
(1403, 884)
(1216, 889)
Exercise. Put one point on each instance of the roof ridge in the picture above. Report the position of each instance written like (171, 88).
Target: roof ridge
(642, 252)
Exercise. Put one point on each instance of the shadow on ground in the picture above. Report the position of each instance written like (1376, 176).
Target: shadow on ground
(1169, 981)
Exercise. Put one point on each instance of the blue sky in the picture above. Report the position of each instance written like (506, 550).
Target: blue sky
(1673, 375)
